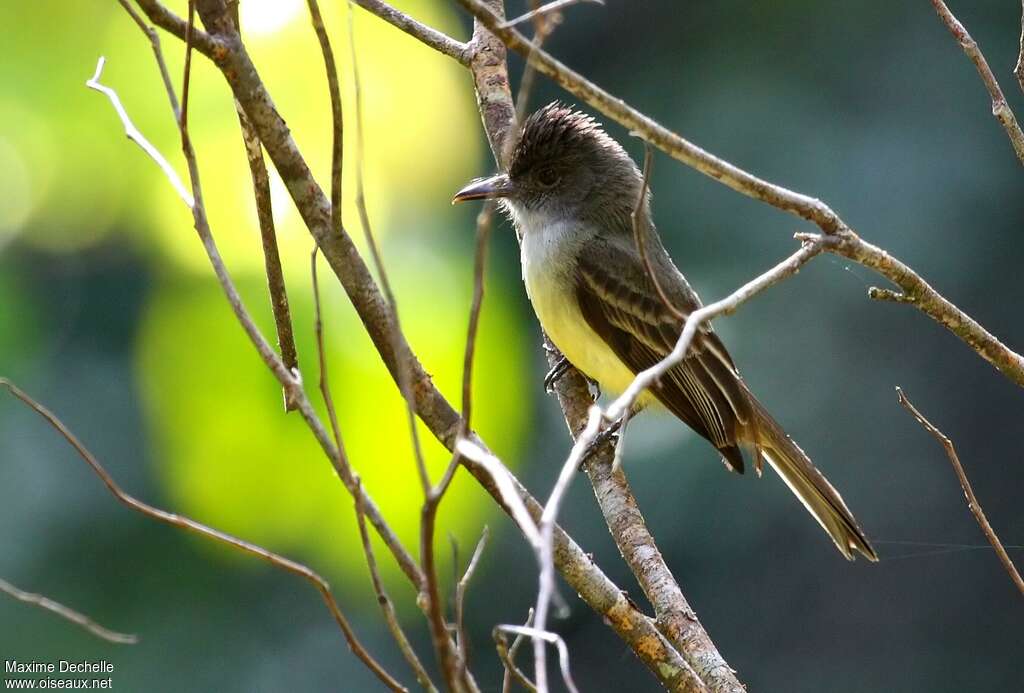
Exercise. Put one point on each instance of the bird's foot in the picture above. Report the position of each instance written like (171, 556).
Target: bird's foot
(556, 372)
(610, 434)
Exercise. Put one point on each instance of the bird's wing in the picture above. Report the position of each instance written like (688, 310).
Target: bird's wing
(620, 303)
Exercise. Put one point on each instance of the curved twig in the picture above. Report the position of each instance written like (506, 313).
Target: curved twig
(972, 500)
(190, 525)
(66, 612)
(136, 136)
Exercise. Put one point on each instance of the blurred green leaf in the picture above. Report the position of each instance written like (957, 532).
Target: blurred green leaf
(231, 457)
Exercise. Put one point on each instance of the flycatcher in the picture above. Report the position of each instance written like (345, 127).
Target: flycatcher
(570, 190)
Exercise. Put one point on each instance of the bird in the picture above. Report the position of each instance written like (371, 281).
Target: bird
(571, 192)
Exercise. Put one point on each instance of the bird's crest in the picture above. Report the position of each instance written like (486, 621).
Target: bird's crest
(557, 129)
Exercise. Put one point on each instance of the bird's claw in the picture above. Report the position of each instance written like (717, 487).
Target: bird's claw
(609, 434)
(556, 372)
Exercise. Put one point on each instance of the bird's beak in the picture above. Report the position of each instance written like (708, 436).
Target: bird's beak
(483, 188)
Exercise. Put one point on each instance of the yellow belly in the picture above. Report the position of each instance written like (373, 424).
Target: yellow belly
(560, 316)
(548, 260)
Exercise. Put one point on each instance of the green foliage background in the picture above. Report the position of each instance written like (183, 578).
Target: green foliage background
(109, 314)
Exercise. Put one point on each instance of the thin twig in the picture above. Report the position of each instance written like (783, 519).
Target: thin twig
(433, 498)
(484, 222)
(511, 670)
(190, 525)
(325, 386)
(646, 378)
(437, 493)
(544, 10)
(1000, 109)
(620, 444)
(388, 609)
(447, 654)
(154, 42)
(462, 640)
(558, 642)
(337, 120)
(508, 658)
(66, 612)
(279, 304)
(186, 78)
(454, 662)
(972, 500)
(546, 580)
(506, 488)
(276, 287)
(135, 136)
(638, 232)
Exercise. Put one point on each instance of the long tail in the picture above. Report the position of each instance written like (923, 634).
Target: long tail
(809, 485)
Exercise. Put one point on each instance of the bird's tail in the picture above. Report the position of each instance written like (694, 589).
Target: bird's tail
(809, 485)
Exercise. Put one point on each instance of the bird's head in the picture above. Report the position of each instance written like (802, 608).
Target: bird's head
(563, 166)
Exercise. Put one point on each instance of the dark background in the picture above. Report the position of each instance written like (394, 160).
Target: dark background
(869, 106)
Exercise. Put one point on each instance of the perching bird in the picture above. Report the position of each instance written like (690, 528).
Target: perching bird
(570, 190)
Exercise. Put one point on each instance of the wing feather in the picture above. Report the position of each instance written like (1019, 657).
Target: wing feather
(619, 302)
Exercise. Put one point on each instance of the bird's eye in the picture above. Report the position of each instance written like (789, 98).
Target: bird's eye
(547, 176)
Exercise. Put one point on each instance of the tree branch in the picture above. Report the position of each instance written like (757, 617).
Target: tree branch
(972, 500)
(917, 292)
(271, 257)
(424, 34)
(172, 23)
(1000, 109)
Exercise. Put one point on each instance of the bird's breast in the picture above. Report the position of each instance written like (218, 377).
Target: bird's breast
(549, 268)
